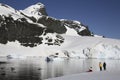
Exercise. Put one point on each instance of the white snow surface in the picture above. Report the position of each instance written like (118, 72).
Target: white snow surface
(74, 46)
(104, 75)
(71, 31)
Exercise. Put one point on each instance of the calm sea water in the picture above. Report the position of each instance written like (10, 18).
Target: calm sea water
(39, 69)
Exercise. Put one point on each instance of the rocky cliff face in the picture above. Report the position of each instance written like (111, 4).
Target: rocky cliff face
(30, 26)
(26, 33)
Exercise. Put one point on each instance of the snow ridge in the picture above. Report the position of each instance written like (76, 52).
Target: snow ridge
(8, 11)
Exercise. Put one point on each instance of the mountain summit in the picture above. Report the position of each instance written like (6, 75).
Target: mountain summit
(36, 10)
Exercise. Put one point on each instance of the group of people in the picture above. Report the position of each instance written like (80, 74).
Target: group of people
(102, 66)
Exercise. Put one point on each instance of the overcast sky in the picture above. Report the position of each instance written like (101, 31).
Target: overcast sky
(101, 16)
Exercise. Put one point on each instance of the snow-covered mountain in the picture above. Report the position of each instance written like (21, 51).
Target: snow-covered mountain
(29, 25)
(31, 32)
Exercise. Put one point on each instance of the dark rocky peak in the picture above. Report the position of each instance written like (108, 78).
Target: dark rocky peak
(53, 25)
(77, 26)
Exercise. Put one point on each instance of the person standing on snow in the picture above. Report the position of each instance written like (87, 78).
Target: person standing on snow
(104, 66)
(100, 66)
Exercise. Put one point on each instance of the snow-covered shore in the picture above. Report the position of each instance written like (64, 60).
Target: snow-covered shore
(100, 75)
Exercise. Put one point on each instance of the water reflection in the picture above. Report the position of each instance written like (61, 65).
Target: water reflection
(39, 69)
(19, 70)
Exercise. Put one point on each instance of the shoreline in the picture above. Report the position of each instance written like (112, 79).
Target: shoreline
(99, 75)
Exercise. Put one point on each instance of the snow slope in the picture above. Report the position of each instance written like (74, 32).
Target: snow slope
(104, 75)
(73, 46)
(71, 32)
(9, 11)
